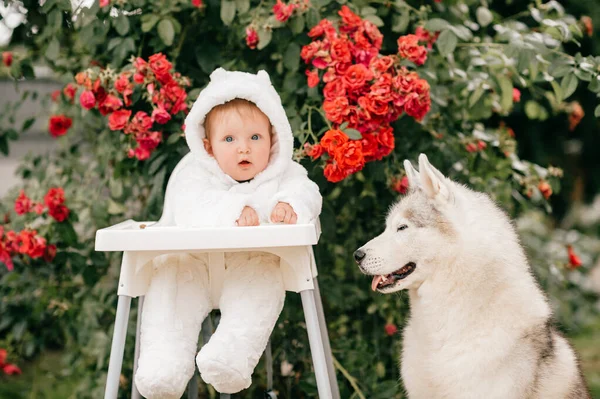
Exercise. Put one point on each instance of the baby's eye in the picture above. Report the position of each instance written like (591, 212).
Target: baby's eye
(255, 137)
(229, 139)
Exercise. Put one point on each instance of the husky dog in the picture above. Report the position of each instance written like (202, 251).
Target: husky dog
(479, 326)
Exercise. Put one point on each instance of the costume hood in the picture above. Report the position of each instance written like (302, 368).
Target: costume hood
(225, 86)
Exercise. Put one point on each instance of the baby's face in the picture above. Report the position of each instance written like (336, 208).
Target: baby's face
(240, 145)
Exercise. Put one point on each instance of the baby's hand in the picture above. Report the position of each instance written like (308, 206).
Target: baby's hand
(283, 212)
(248, 217)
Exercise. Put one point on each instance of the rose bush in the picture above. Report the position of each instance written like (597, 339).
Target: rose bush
(364, 84)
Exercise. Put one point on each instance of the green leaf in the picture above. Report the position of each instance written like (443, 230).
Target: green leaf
(446, 42)
(12, 134)
(121, 24)
(353, 134)
(264, 38)
(462, 32)
(594, 85)
(242, 6)
(368, 11)
(375, 20)
(568, 85)
(27, 124)
(291, 57)
(297, 24)
(55, 19)
(475, 96)
(484, 16)
(557, 91)
(3, 145)
(597, 112)
(312, 17)
(532, 109)
(113, 43)
(506, 90)
(400, 22)
(436, 24)
(148, 22)
(53, 50)
(114, 208)
(227, 11)
(166, 31)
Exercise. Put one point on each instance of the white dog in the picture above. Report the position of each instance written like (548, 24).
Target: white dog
(479, 327)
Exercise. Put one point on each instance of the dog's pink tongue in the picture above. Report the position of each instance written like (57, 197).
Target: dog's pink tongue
(375, 282)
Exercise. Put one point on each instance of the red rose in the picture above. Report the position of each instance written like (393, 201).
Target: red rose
(332, 139)
(588, 25)
(160, 116)
(138, 78)
(516, 95)
(336, 109)
(55, 95)
(334, 173)
(481, 145)
(104, 3)
(313, 77)
(576, 115)
(118, 119)
(38, 208)
(400, 185)
(7, 58)
(50, 253)
(22, 204)
(87, 99)
(381, 64)
(122, 83)
(70, 91)
(471, 147)
(11, 369)
(369, 146)
(545, 189)
(334, 89)
(197, 3)
(390, 329)
(574, 260)
(161, 67)
(59, 212)
(313, 151)
(350, 20)
(109, 104)
(356, 77)
(373, 34)
(350, 156)
(340, 50)
(54, 197)
(385, 137)
(324, 27)
(251, 38)
(148, 140)
(283, 11)
(59, 124)
(417, 106)
(426, 37)
(409, 48)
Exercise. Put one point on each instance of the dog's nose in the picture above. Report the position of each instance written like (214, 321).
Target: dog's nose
(359, 255)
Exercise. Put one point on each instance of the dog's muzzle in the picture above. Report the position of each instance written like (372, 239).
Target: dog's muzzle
(359, 255)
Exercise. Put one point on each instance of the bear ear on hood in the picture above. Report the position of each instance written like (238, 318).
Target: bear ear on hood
(219, 74)
(264, 77)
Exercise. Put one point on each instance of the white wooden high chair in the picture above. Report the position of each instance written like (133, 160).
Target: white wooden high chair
(141, 242)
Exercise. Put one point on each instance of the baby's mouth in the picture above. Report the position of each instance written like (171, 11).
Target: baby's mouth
(244, 163)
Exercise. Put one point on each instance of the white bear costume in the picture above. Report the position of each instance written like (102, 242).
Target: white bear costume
(200, 194)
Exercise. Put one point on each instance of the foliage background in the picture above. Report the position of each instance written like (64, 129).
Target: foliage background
(68, 305)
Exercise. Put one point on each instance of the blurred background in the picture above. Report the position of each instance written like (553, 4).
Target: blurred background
(67, 169)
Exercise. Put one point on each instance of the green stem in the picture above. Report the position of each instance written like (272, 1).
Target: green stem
(350, 379)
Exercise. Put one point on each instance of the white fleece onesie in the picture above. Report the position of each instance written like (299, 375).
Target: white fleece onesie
(200, 194)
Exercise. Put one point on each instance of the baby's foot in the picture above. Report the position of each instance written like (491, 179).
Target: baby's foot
(226, 370)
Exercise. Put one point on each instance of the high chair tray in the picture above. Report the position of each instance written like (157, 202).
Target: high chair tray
(141, 236)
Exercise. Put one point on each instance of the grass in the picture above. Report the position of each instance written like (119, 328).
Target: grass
(41, 379)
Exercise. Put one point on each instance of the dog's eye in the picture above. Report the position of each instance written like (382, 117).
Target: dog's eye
(402, 227)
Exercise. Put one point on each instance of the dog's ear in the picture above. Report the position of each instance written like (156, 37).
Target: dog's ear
(412, 175)
(433, 182)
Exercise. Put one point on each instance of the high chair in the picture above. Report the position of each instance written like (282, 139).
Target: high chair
(141, 242)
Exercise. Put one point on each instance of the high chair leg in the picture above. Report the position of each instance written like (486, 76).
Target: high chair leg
(335, 390)
(117, 348)
(135, 394)
(316, 344)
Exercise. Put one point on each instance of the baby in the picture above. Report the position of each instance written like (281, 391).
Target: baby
(239, 172)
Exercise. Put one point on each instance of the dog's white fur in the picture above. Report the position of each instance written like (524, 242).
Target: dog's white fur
(479, 325)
